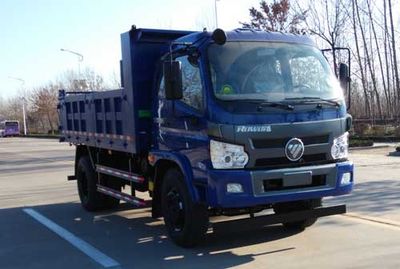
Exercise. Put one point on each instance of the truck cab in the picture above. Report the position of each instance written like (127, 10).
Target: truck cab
(260, 119)
(214, 123)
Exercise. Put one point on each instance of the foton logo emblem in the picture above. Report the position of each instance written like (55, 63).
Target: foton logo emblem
(294, 149)
(253, 129)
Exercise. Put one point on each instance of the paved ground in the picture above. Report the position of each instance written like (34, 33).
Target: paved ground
(33, 175)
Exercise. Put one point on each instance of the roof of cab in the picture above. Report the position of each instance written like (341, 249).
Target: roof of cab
(241, 34)
(259, 35)
(253, 35)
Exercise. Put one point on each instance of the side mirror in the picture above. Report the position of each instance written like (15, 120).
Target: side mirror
(344, 75)
(173, 80)
(344, 78)
(349, 122)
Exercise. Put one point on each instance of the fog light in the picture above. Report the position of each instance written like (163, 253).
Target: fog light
(346, 179)
(234, 188)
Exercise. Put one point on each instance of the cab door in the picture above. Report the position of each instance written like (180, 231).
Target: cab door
(182, 123)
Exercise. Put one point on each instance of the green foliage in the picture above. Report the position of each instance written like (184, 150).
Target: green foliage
(358, 142)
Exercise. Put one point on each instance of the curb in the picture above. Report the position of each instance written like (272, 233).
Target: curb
(370, 147)
(42, 136)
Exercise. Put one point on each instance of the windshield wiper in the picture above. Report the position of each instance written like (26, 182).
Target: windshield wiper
(261, 103)
(275, 104)
(313, 100)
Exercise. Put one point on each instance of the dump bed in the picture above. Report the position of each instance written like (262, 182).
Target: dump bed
(120, 119)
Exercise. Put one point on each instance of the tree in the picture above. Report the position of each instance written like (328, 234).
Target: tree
(2, 106)
(359, 61)
(382, 71)
(396, 71)
(87, 80)
(391, 103)
(364, 27)
(276, 16)
(368, 58)
(11, 109)
(44, 106)
(327, 20)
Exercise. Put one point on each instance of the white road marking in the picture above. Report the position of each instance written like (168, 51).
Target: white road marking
(83, 246)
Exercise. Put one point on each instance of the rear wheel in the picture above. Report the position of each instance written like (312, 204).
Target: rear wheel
(288, 207)
(186, 222)
(90, 198)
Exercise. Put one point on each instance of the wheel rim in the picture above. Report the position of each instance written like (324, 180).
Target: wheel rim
(175, 210)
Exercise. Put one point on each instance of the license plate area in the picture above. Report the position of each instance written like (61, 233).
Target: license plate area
(297, 179)
(294, 181)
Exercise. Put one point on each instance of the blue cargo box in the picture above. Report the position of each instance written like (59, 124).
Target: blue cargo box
(120, 119)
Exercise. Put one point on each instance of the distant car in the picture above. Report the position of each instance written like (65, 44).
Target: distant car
(9, 128)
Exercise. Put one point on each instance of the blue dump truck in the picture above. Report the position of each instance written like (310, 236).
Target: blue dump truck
(211, 124)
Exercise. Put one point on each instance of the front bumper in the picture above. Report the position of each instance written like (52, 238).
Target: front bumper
(288, 184)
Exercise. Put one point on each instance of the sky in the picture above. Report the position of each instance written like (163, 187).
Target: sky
(33, 32)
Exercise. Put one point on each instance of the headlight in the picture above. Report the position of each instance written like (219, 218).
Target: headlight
(340, 147)
(225, 156)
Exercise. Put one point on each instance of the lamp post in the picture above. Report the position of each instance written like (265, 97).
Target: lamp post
(23, 101)
(80, 58)
(216, 13)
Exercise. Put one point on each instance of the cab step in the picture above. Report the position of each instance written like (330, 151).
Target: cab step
(122, 196)
(119, 173)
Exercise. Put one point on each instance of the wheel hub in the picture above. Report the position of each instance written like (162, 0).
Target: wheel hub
(175, 209)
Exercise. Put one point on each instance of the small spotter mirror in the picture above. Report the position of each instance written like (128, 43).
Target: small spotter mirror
(219, 36)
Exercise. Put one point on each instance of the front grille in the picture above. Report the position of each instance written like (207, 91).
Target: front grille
(276, 184)
(311, 159)
(281, 142)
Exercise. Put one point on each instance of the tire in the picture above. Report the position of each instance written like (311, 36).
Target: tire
(90, 198)
(298, 206)
(186, 222)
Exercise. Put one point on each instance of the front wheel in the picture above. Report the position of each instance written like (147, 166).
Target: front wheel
(186, 221)
(288, 207)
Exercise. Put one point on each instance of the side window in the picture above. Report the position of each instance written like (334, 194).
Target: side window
(191, 82)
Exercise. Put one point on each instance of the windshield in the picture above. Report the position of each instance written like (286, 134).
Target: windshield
(273, 72)
(11, 123)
